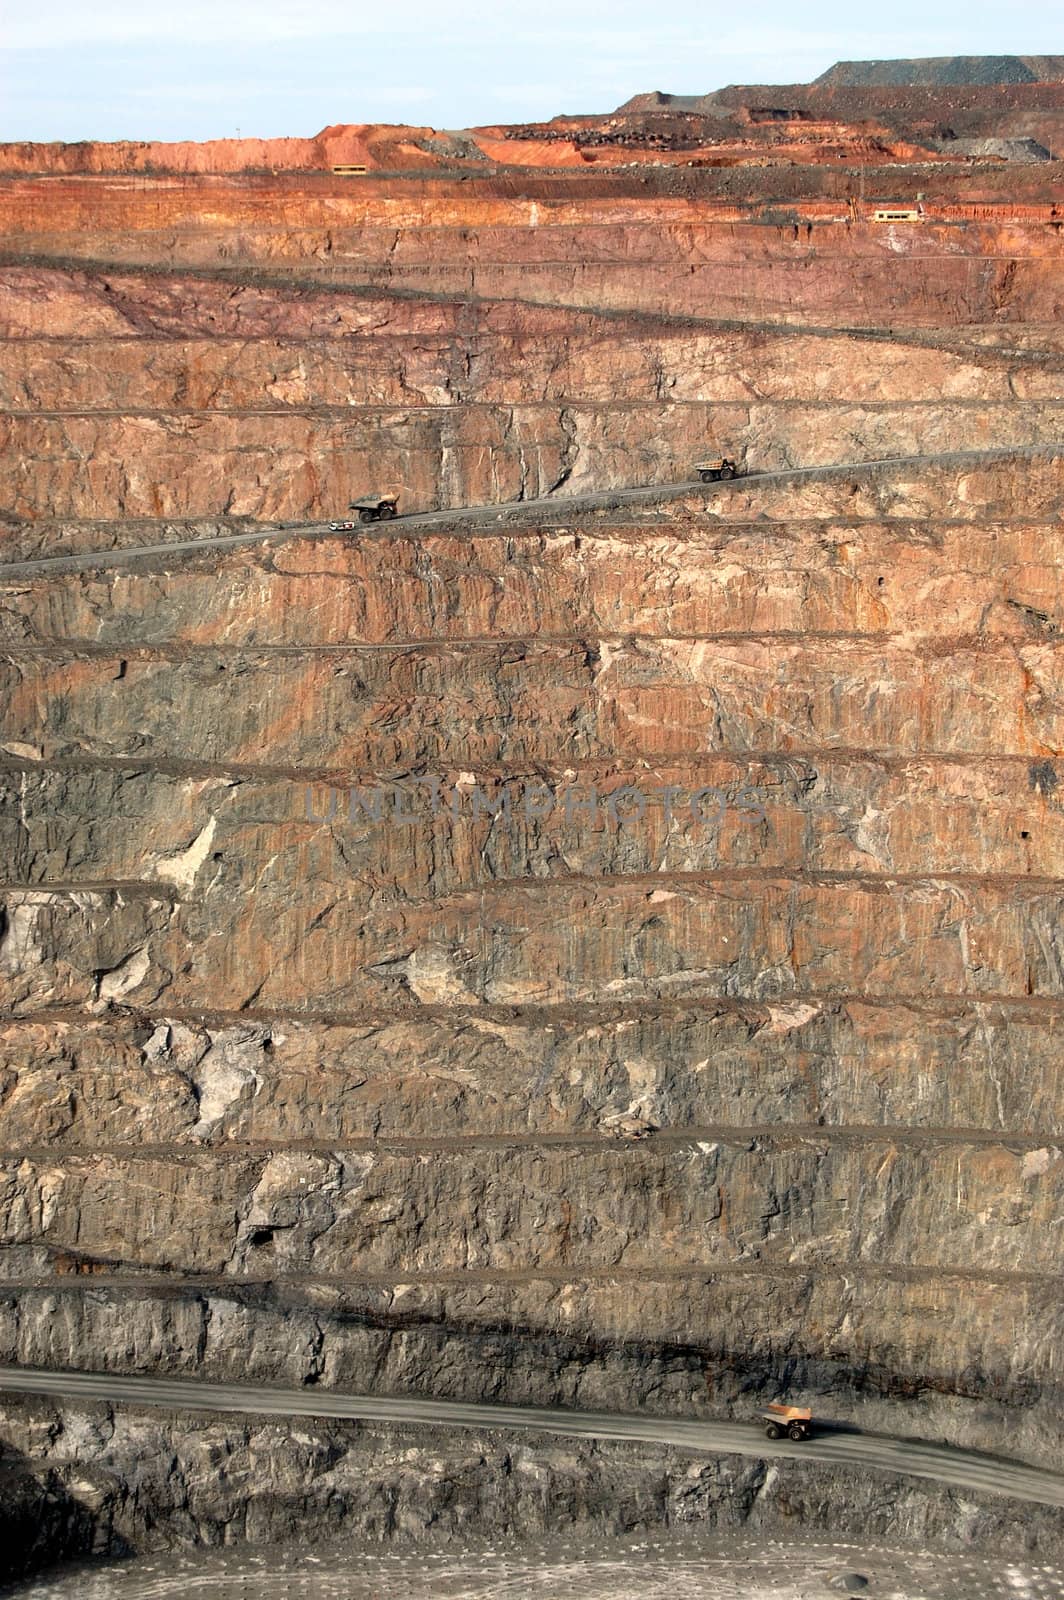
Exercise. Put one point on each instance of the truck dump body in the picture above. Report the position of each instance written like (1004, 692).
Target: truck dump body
(794, 1421)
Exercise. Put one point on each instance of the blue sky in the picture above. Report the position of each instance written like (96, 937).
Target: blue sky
(200, 69)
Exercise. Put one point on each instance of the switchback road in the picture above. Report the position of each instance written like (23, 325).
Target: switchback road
(960, 1469)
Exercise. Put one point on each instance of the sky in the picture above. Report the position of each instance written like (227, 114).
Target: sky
(205, 69)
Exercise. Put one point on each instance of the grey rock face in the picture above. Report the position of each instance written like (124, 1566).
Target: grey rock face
(186, 1480)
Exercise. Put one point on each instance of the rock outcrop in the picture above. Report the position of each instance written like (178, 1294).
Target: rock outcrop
(123, 1478)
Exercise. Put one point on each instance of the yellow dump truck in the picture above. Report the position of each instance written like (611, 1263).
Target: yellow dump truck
(376, 507)
(716, 467)
(794, 1421)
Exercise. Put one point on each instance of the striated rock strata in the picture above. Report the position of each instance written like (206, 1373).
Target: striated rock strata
(322, 1063)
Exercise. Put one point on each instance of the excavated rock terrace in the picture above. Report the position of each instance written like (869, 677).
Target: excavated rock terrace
(605, 1107)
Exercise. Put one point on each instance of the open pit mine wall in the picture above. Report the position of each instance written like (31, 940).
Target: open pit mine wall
(121, 1478)
(291, 1096)
(272, 348)
(141, 396)
(298, 1094)
(269, 346)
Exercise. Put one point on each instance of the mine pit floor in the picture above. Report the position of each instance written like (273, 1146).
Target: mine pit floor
(671, 1567)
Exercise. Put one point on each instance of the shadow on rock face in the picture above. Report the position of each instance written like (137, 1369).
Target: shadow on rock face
(45, 1518)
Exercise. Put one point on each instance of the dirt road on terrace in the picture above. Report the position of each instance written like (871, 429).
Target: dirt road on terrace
(505, 513)
(962, 1469)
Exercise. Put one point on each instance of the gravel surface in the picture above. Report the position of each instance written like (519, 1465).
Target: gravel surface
(675, 1567)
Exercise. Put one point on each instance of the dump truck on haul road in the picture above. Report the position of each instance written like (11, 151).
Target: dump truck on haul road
(715, 467)
(794, 1421)
(376, 507)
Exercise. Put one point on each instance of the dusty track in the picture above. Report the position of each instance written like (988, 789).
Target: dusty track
(960, 1468)
(505, 513)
